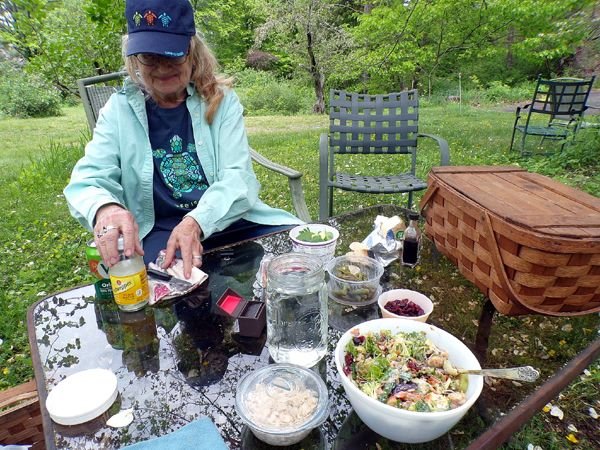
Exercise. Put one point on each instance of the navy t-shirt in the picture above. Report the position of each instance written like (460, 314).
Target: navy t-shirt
(179, 180)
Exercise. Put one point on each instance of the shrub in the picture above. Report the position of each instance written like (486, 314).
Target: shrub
(262, 94)
(26, 96)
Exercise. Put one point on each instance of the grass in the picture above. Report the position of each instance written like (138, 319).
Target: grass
(42, 247)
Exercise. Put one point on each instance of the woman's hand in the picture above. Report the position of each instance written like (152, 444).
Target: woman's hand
(113, 220)
(185, 237)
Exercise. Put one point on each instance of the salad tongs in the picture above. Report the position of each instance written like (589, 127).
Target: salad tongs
(524, 373)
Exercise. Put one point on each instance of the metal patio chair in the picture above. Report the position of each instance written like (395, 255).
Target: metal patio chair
(384, 125)
(95, 92)
(562, 101)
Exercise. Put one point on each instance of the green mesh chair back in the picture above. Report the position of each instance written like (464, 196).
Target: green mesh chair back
(562, 101)
(385, 125)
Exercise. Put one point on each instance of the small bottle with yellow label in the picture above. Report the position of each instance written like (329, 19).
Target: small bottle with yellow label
(129, 281)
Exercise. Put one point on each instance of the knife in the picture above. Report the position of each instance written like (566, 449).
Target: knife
(176, 283)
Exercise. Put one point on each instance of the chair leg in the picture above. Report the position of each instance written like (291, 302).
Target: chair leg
(330, 203)
(523, 144)
(512, 139)
(410, 200)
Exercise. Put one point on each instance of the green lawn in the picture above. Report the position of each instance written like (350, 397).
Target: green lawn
(42, 247)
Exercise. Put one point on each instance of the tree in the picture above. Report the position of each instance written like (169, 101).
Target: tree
(399, 43)
(309, 31)
(228, 26)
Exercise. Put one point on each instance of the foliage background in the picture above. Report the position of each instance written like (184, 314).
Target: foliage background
(285, 55)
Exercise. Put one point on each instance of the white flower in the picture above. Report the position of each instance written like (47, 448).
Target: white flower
(557, 412)
(572, 428)
(534, 447)
(593, 413)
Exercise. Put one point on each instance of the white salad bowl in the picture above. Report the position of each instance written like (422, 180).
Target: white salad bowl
(398, 424)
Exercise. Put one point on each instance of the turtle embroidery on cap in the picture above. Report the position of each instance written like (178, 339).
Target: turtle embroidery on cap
(137, 19)
(165, 19)
(150, 17)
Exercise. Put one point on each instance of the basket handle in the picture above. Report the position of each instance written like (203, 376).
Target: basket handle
(497, 260)
(428, 195)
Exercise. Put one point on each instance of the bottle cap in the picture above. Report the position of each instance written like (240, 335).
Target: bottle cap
(413, 215)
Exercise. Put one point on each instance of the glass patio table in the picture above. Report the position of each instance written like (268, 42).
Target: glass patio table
(179, 361)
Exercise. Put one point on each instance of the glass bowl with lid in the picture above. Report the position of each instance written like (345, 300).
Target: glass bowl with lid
(354, 280)
(282, 403)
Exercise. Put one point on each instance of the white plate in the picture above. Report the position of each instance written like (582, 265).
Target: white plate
(82, 396)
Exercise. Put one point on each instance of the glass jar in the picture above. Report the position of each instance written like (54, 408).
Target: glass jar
(129, 281)
(296, 309)
(411, 242)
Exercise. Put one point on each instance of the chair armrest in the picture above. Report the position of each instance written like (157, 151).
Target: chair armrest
(444, 149)
(324, 189)
(294, 180)
(521, 108)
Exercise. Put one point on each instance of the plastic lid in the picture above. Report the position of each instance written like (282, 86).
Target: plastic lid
(82, 396)
(413, 215)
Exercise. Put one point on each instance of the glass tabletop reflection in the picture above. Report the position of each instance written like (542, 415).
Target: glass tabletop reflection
(181, 360)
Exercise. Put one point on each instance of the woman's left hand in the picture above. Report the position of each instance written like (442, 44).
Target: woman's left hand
(186, 238)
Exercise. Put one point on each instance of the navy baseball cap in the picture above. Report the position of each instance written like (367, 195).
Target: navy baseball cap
(162, 27)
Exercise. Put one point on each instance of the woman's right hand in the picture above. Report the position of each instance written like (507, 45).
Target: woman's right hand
(112, 221)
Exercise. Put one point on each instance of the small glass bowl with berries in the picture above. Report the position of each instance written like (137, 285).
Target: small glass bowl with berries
(405, 304)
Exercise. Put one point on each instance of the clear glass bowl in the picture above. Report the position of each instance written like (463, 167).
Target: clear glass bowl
(354, 280)
(258, 402)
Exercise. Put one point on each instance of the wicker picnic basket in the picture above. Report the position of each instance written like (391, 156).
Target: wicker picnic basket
(529, 243)
(20, 416)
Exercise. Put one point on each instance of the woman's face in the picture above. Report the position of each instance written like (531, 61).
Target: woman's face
(165, 80)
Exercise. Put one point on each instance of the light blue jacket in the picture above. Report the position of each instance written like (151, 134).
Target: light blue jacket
(118, 166)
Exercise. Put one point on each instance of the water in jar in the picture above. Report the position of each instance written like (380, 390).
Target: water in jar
(296, 310)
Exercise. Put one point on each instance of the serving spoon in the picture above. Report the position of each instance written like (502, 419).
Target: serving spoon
(524, 373)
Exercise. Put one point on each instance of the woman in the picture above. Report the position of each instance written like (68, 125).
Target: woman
(169, 160)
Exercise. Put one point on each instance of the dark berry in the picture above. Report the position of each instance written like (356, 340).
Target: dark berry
(404, 307)
(358, 340)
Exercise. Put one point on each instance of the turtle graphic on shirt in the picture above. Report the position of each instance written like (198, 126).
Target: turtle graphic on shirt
(180, 170)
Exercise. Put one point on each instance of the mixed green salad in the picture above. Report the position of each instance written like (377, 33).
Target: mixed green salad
(404, 370)
(307, 235)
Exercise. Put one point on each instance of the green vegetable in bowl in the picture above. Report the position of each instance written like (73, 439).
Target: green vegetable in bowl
(307, 235)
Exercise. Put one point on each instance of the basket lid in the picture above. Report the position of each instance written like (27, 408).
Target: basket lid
(526, 199)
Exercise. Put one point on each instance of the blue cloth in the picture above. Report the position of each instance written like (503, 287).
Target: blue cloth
(238, 231)
(201, 434)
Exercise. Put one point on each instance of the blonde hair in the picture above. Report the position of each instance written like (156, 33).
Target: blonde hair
(208, 84)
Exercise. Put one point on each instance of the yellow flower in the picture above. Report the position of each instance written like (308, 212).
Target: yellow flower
(562, 342)
(6, 371)
(551, 352)
(571, 438)
(547, 408)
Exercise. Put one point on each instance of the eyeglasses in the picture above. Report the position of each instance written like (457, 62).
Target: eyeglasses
(152, 60)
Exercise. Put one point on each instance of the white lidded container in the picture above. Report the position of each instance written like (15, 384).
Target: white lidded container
(282, 403)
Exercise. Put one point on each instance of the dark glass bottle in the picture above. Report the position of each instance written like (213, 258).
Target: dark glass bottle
(412, 240)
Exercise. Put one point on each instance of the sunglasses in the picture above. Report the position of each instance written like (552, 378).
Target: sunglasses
(152, 60)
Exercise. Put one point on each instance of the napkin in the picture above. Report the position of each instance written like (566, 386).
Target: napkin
(201, 434)
(163, 290)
